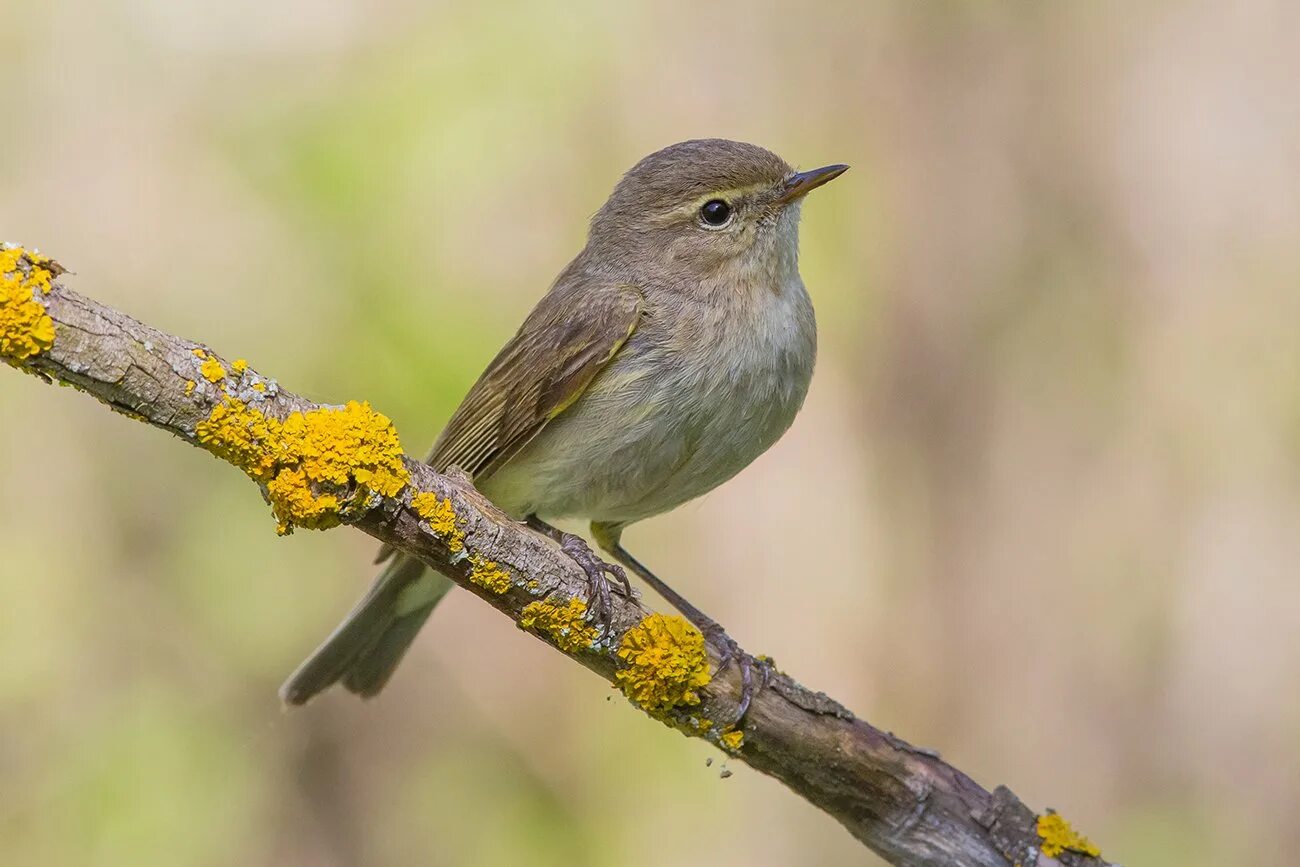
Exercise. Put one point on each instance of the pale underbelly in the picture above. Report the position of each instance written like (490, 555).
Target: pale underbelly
(638, 445)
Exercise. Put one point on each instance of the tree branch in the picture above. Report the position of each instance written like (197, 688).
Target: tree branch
(320, 465)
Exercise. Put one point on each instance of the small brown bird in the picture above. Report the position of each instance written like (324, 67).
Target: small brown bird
(675, 349)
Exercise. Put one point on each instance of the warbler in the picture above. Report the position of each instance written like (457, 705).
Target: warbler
(669, 354)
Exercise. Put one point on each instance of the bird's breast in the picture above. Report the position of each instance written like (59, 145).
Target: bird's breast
(698, 392)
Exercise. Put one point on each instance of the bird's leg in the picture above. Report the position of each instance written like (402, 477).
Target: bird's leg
(600, 604)
(607, 536)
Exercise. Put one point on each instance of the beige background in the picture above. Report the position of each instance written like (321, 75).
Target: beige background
(1040, 511)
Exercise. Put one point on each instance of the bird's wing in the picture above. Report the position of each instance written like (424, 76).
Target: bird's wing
(573, 332)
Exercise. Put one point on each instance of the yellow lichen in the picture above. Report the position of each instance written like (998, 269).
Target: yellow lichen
(318, 466)
(189, 387)
(1058, 836)
(199, 353)
(244, 437)
(26, 329)
(259, 386)
(212, 370)
(566, 625)
(697, 726)
(296, 504)
(665, 663)
(42, 272)
(353, 443)
(487, 574)
(729, 739)
(441, 518)
(239, 365)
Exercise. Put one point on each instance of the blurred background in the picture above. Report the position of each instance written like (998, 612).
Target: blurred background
(1040, 512)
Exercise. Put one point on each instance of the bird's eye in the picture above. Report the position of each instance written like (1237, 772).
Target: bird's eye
(715, 212)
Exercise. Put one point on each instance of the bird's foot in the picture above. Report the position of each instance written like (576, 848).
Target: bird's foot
(755, 671)
(600, 606)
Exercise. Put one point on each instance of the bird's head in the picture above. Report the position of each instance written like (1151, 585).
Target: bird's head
(705, 209)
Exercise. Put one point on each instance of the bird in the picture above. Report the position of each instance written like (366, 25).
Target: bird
(673, 350)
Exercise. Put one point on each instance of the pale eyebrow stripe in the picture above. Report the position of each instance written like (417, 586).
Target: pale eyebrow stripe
(729, 194)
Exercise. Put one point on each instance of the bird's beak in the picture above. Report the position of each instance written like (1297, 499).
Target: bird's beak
(801, 184)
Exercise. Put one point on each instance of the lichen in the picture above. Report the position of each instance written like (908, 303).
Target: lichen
(239, 365)
(665, 663)
(296, 503)
(212, 370)
(566, 625)
(244, 436)
(189, 387)
(26, 329)
(726, 737)
(353, 443)
(319, 467)
(488, 575)
(441, 517)
(43, 271)
(1058, 836)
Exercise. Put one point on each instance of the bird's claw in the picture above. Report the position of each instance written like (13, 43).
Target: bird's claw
(600, 605)
(746, 664)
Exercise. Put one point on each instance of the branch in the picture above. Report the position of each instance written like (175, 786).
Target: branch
(319, 466)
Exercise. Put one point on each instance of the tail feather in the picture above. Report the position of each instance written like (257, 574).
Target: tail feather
(364, 650)
(372, 668)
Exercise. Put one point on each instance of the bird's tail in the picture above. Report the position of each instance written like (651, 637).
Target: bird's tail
(365, 649)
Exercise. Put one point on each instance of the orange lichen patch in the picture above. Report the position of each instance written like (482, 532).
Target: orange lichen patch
(26, 329)
(566, 624)
(441, 518)
(319, 467)
(487, 574)
(239, 365)
(665, 663)
(732, 740)
(1058, 836)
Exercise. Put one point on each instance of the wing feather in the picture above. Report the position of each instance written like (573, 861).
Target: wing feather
(572, 333)
(569, 337)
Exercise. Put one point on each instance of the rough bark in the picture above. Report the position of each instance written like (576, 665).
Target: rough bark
(905, 803)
